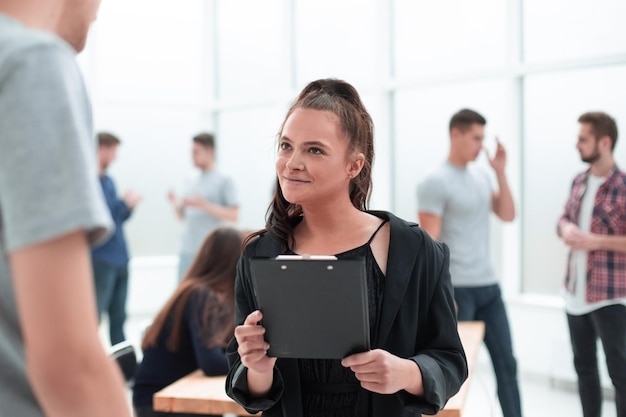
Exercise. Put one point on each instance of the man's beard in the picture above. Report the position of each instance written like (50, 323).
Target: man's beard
(593, 157)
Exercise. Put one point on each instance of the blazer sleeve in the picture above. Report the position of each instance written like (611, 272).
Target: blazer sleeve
(236, 381)
(439, 352)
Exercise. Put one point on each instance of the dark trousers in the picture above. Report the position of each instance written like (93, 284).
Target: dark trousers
(111, 283)
(608, 324)
(486, 304)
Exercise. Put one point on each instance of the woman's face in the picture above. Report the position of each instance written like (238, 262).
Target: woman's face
(313, 164)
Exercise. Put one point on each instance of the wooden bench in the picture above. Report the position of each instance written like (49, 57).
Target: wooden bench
(200, 394)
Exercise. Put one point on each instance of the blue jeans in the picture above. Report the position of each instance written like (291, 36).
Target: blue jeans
(608, 324)
(111, 284)
(486, 304)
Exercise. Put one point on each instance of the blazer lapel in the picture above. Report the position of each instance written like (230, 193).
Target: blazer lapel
(403, 248)
(268, 246)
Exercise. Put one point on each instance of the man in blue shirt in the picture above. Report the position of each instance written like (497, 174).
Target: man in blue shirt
(110, 260)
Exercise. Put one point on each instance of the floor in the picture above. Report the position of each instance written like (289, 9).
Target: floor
(540, 396)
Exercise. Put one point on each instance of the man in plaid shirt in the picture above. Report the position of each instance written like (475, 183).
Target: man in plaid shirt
(593, 225)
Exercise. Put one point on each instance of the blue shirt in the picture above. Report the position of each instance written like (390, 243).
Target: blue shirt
(114, 251)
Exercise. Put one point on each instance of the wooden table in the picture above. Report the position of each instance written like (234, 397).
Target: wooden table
(200, 394)
(197, 393)
(472, 334)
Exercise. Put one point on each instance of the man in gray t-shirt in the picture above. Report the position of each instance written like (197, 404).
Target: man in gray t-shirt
(211, 200)
(455, 203)
(52, 361)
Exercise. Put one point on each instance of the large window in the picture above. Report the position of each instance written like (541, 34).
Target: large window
(562, 30)
(160, 72)
(145, 69)
(253, 50)
(448, 37)
(336, 39)
(247, 151)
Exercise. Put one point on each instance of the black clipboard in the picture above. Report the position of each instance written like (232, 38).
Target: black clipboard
(312, 308)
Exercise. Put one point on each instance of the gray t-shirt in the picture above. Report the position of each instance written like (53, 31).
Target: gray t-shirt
(462, 197)
(48, 176)
(215, 188)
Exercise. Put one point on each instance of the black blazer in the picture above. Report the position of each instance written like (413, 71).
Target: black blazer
(417, 322)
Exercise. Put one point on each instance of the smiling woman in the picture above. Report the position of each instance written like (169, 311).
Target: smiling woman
(308, 163)
(323, 170)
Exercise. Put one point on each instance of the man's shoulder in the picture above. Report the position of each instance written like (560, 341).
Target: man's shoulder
(437, 176)
(215, 175)
(620, 177)
(580, 177)
(436, 187)
(19, 43)
(413, 236)
(224, 177)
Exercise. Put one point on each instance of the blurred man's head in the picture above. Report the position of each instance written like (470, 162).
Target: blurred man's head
(107, 149)
(467, 132)
(597, 136)
(203, 151)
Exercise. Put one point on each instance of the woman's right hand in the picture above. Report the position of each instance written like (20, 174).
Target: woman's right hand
(252, 346)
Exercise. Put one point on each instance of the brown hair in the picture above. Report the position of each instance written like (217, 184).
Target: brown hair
(602, 125)
(213, 269)
(205, 139)
(341, 99)
(108, 139)
(464, 118)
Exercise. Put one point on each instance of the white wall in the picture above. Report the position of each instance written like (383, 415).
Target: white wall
(541, 339)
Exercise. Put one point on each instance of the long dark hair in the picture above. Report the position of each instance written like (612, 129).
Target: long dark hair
(341, 99)
(214, 268)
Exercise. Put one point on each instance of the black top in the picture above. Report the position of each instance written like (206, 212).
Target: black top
(416, 321)
(328, 388)
(161, 367)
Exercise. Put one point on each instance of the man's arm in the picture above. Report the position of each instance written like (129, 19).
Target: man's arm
(67, 366)
(607, 242)
(578, 240)
(431, 223)
(224, 213)
(229, 214)
(125, 205)
(178, 207)
(502, 201)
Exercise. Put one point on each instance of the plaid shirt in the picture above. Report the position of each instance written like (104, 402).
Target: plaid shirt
(606, 270)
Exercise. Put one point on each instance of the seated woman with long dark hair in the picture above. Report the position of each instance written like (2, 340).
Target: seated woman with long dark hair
(195, 325)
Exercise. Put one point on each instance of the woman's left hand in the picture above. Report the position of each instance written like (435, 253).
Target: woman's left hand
(381, 372)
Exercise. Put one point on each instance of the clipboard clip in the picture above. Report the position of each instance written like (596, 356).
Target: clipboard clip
(306, 258)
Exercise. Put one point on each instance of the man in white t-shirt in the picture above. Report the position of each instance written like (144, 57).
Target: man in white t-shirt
(209, 202)
(52, 361)
(455, 203)
(593, 225)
